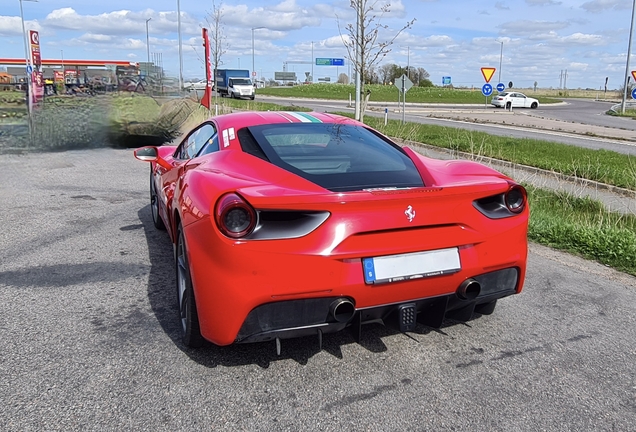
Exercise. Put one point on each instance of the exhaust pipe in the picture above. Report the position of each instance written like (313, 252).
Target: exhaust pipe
(342, 310)
(469, 290)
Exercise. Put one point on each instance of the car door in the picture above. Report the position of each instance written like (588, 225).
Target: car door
(516, 100)
(191, 145)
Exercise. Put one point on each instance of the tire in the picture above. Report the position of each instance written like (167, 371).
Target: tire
(534, 105)
(188, 316)
(252, 97)
(154, 206)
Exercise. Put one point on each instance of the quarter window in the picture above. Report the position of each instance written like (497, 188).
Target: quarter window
(197, 140)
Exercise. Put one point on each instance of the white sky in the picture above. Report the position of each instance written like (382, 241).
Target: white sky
(453, 38)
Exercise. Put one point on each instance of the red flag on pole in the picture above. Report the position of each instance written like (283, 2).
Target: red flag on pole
(205, 100)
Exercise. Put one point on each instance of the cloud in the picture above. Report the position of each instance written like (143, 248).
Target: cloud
(543, 2)
(532, 28)
(284, 16)
(578, 66)
(501, 6)
(12, 26)
(122, 22)
(601, 5)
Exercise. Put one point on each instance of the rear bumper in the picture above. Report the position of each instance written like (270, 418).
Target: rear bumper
(306, 317)
(238, 284)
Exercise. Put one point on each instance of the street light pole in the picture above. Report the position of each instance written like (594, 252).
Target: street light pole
(180, 46)
(629, 53)
(147, 49)
(501, 59)
(253, 67)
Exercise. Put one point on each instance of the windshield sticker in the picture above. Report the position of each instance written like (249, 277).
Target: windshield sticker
(226, 140)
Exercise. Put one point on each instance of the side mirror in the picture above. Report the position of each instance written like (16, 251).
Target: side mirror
(147, 154)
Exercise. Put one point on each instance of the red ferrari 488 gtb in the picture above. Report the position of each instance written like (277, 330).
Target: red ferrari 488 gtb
(294, 224)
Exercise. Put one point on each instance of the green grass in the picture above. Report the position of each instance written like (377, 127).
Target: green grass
(385, 93)
(600, 165)
(256, 105)
(631, 113)
(584, 227)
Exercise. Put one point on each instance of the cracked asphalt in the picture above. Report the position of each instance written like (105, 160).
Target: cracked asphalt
(90, 338)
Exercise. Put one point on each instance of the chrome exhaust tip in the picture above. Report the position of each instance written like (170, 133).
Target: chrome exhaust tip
(342, 310)
(469, 290)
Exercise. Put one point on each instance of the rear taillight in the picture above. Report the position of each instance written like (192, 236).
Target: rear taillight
(234, 216)
(516, 199)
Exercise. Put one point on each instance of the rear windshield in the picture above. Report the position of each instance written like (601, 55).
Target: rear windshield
(335, 156)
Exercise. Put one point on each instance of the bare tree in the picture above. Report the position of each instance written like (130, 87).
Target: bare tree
(343, 78)
(385, 73)
(218, 42)
(363, 47)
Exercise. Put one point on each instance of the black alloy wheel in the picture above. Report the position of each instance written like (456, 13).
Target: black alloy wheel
(154, 206)
(188, 316)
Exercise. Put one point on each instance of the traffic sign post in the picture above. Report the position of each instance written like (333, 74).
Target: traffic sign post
(403, 84)
(488, 72)
(486, 90)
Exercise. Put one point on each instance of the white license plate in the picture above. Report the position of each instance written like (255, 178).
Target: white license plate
(396, 268)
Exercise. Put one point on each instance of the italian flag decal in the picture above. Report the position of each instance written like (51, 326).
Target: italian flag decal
(299, 117)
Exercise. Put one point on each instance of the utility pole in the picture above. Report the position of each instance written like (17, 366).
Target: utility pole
(180, 46)
(500, 59)
(359, 59)
(629, 53)
(147, 49)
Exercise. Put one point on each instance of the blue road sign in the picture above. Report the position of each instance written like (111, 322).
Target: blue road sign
(501, 87)
(329, 62)
(486, 90)
(446, 80)
(634, 94)
(29, 69)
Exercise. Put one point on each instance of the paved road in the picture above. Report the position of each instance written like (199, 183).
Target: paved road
(89, 337)
(584, 111)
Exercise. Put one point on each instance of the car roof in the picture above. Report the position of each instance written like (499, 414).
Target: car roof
(255, 118)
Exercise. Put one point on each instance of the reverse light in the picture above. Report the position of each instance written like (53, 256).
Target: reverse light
(234, 216)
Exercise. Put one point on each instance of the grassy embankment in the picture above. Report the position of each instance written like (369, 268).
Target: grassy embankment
(388, 93)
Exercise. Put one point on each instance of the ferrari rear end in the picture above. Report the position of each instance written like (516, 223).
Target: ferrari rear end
(341, 243)
(398, 256)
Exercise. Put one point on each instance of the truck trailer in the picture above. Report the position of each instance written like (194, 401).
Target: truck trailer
(235, 83)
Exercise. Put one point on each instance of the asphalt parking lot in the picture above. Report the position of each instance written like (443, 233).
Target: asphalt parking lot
(90, 337)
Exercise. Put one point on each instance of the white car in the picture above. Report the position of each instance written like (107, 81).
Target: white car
(198, 85)
(514, 100)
